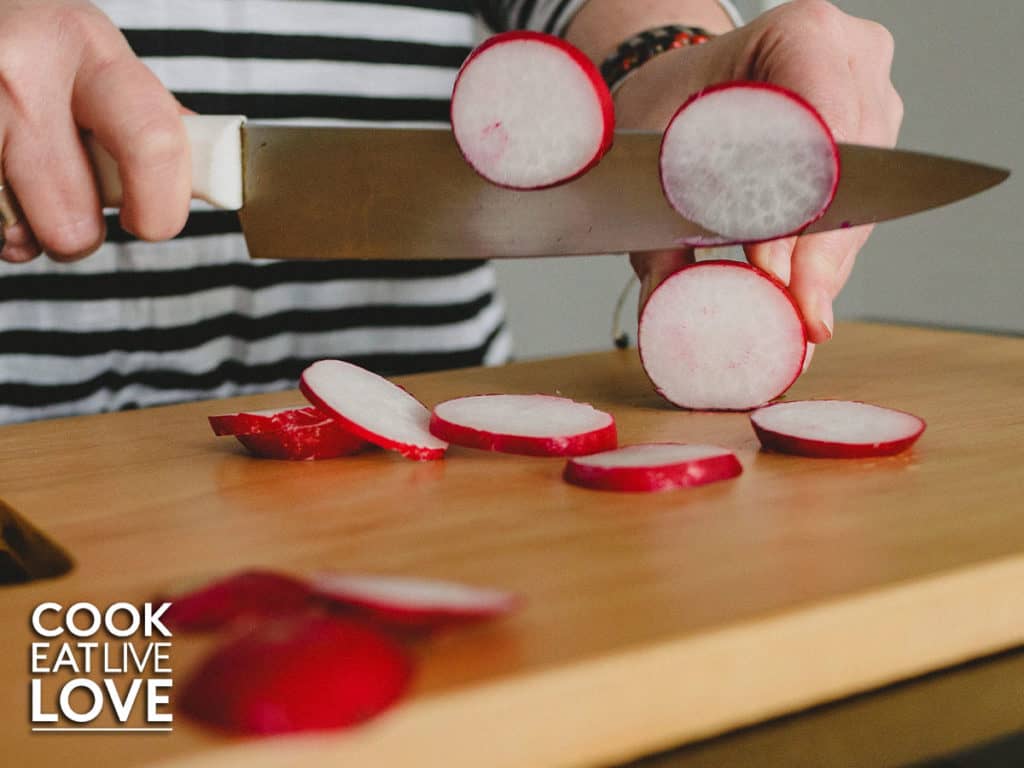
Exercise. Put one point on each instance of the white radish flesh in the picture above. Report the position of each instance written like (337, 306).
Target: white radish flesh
(534, 425)
(372, 408)
(653, 467)
(721, 335)
(749, 161)
(835, 429)
(530, 111)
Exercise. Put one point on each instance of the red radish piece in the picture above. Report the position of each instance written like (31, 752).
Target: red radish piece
(373, 408)
(749, 161)
(534, 425)
(530, 111)
(242, 597)
(653, 467)
(261, 422)
(408, 602)
(301, 673)
(721, 335)
(836, 429)
(324, 440)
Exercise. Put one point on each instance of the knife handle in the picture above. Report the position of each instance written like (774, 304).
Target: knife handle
(216, 142)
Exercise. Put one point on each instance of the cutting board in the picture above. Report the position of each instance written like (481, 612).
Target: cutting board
(649, 620)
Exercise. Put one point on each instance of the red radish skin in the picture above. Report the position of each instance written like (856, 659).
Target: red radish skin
(721, 335)
(835, 429)
(412, 603)
(262, 422)
(313, 442)
(530, 111)
(531, 425)
(243, 597)
(303, 673)
(373, 408)
(749, 161)
(651, 467)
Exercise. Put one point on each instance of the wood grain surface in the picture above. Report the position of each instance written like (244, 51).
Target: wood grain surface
(650, 620)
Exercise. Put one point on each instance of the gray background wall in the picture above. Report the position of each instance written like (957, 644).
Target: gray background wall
(960, 70)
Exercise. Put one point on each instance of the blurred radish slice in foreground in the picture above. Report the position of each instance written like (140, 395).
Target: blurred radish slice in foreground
(412, 602)
(749, 161)
(298, 673)
(271, 420)
(324, 440)
(373, 408)
(241, 597)
(534, 425)
(721, 335)
(835, 429)
(529, 111)
(653, 467)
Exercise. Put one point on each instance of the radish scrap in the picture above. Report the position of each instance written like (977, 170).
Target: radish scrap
(261, 422)
(533, 425)
(373, 408)
(324, 440)
(409, 602)
(835, 429)
(653, 467)
(242, 597)
(298, 673)
(721, 335)
(529, 111)
(749, 161)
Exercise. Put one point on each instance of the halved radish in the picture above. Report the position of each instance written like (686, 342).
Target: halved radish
(299, 673)
(653, 467)
(412, 602)
(835, 429)
(534, 425)
(261, 422)
(749, 161)
(242, 597)
(373, 408)
(324, 440)
(529, 111)
(721, 335)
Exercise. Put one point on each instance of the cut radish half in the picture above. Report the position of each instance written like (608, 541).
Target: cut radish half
(242, 597)
(836, 429)
(261, 422)
(412, 602)
(372, 407)
(298, 674)
(653, 467)
(749, 161)
(529, 111)
(324, 440)
(534, 425)
(721, 335)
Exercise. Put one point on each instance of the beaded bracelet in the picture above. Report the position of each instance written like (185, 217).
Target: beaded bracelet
(643, 47)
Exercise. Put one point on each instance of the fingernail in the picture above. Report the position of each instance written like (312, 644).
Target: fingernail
(825, 314)
(779, 261)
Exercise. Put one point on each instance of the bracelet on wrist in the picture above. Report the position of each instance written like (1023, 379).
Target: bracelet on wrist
(644, 46)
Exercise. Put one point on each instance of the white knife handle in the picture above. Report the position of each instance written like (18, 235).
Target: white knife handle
(216, 142)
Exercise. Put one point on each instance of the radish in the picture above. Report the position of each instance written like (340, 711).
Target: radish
(836, 429)
(721, 335)
(411, 602)
(323, 440)
(260, 422)
(373, 408)
(534, 425)
(530, 111)
(749, 161)
(242, 597)
(299, 673)
(653, 467)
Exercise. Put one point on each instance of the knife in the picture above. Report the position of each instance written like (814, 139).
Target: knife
(407, 193)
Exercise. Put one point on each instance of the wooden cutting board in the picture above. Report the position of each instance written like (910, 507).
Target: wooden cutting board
(650, 620)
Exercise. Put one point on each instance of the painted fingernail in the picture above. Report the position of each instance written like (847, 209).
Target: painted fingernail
(825, 314)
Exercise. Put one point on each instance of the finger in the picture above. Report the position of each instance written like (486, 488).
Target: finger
(19, 244)
(139, 123)
(652, 267)
(774, 257)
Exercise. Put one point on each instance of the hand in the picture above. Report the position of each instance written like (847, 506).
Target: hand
(841, 65)
(64, 69)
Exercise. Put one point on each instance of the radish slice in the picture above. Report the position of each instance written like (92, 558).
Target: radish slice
(835, 429)
(749, 161)
(298, 674)
(653, 467)
(412, 602)
(721, 335)
(529, 111)
(261, 422)
(372, 407)
(534, 425)
(244, 596)
(324, 440)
